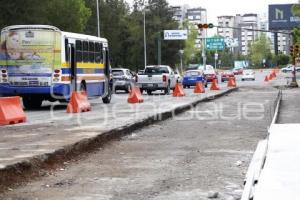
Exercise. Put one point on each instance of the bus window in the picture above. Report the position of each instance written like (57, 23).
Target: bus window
(91, 52)
(85, 51)
(98, 53)
(78, 51)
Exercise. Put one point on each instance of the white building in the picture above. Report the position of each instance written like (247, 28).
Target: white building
(179, 13)
(226, 21)
(247, 35)
(197, 16)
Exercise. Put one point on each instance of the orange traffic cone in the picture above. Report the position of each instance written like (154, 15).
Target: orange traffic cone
(266, 79)
(274, 74)
(231, 82)
(78, 103)
(11, 111)
(214, 85)
(135, 95)
(270, 77)
(199, 88)
(234, 80)
(178, 92)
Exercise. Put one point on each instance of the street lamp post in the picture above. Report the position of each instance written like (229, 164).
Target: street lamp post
(181, 54)
(145, 45)
(204, 34)
(98, 18)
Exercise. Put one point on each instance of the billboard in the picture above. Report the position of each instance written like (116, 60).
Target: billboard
(231, 42)
(281, 17)
(240, 64)
(175, 34)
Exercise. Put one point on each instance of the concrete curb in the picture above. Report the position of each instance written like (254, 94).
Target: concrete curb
(34, 167)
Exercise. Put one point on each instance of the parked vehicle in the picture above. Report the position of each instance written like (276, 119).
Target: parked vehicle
(290, 68)
(122, 79)
(157, 77)
(226, 75)
(248, 75)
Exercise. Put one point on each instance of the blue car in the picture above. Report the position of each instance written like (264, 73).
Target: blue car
(192, 76)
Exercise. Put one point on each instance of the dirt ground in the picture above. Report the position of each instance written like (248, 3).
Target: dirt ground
(198, 154)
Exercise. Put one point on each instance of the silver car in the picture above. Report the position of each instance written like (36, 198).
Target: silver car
(122, 79)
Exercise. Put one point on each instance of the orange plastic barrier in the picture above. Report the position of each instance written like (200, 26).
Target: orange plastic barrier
(270, 77)
(178, 92)
(231, 82)
(234, 80)
(78, 103)
(199, 88)
(214, 85)
(135, 95)
(266, 79)
(11, 111)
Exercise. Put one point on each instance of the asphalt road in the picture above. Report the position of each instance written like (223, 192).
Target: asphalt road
(205, 149)
(56, 112)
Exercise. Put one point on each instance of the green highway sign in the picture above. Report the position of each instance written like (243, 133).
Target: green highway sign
(215, 43)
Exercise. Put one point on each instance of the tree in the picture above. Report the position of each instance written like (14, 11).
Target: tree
(227, 58)
(51, 12)
(72, 19)
(22, 12)
(190, 50)
(296, 31)
(158, 18)
(260, 50)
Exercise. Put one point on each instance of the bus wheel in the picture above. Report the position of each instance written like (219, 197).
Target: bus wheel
(107, 98)
(32, 102)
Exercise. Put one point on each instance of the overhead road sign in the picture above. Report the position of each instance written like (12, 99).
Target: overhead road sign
(175, 34)
(215, 43)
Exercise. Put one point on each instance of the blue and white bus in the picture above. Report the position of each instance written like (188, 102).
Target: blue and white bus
(41, 62)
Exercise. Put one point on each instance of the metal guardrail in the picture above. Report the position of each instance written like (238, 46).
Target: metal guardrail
(259, 157)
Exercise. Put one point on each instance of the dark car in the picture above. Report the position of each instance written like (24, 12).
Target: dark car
(192, 76)
(226, 75)
(237, 71)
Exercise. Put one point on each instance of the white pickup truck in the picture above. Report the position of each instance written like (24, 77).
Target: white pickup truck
(157, 77)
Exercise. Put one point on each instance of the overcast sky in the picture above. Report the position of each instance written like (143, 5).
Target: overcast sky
(229, 7)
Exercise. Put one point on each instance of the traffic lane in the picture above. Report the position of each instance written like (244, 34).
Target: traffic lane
(205, 149)
(259, 81)
(56, 112)
(40, 115)
(54, 130)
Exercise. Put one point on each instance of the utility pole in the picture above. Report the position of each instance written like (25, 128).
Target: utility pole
(181, 51)
(294, 50)
(145, 44)
(98, 18)
(204, 33)
(159, 48)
